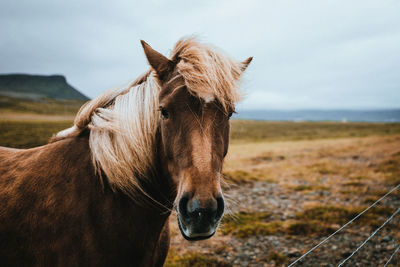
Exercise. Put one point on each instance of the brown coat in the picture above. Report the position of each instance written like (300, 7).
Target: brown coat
(54, 211)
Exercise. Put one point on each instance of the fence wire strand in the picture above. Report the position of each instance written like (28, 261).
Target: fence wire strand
(344, 226)
(391, 257)
(372, 235)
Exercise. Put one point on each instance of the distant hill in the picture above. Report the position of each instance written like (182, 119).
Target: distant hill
(37, 94)
(35, 87)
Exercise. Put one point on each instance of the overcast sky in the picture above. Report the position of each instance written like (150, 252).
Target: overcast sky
(307, 54)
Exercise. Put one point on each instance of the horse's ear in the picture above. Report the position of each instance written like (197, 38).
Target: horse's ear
(161, 64)
(246, 63)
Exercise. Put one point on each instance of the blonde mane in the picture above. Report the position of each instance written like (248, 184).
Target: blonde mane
(208, 73)
(123, 122)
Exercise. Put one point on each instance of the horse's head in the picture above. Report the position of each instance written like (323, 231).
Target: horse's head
(194, 136)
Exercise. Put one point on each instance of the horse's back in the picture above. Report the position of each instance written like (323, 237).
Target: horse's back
(11, 168)
(8, 150)
(6, 156)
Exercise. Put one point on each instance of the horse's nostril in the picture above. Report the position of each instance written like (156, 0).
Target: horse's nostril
(220, 207)
(183, 205)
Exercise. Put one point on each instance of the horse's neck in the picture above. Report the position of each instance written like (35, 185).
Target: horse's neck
(73, 156)
(159, 186)
(74, 153)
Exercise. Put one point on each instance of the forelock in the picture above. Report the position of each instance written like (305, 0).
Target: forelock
(208, 72)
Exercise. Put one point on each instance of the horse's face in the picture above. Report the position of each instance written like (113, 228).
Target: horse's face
(194, 138)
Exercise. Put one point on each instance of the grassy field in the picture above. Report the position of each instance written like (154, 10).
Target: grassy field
(29, 130)
(334, 169)
(26, 134)
(42, 106)
(244, 131)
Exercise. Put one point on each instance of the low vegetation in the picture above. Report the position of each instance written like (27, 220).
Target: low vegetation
(277, 258)
(341, 215)
(244, 225)
(25, 134)
(306, 187)
(249, 224)
(43, 106)
(391, 169)
(315, 221)
(192, 259)
(255, 131)
(240, 177)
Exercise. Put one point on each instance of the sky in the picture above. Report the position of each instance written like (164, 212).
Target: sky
(307, 54)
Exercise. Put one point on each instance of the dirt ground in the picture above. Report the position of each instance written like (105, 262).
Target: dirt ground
(285, 197)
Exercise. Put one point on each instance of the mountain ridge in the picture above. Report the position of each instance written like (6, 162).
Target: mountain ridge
(35, 87)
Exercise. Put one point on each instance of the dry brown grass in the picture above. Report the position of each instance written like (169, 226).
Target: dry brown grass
(331, 164)
(193, 259)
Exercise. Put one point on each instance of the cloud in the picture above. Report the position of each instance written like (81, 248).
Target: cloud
(307, 54)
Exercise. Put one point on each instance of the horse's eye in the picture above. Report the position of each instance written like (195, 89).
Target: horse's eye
(164, 113)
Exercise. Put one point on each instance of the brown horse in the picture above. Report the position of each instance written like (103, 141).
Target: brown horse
(100, 193)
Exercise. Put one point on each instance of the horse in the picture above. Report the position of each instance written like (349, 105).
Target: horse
(101, 192)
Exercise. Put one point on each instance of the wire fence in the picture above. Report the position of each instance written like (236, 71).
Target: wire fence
(391, 257)
(365, 241)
